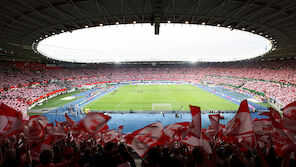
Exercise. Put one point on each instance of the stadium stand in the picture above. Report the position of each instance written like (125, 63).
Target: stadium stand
(23, 85)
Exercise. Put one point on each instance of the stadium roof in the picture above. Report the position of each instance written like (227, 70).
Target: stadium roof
(25, 22)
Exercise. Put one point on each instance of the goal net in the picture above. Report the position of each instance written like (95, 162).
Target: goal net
(161, 107)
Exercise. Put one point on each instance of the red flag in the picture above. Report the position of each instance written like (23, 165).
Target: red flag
(192, 140)
(262, 127)
(44, 145)
(10, 121)
(215, 122)
(176, 131)
(143, 139)
(69, 121)
(93, 122)
(282, 139)
(241, 123)
(119, 133)
(35, 127)
(240, 129)
(120, 128)
(272, 114)
(109, 136)
(104, 128)
(289, 117)
(50, 129)
(196, 121)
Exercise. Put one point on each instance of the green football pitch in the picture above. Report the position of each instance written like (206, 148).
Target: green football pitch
(162, 97)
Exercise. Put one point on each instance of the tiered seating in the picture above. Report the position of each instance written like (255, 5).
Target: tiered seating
(250, 75)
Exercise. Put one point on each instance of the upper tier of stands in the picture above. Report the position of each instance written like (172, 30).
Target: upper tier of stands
(22, 83)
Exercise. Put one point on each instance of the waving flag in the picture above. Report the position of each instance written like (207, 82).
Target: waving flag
(240, 129)
(176, 131)
(192, 140)
(215, 122)
(241, 123)
(262, 127)
(109, 136)
(93, 122)
(143, 139)
(69, 121)
(120, 128)
(196, 121)
(35, 127)
(289, 117)
(44, 145)
(10, 121)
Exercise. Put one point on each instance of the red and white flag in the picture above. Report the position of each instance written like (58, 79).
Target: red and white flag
(192, 140)
(109, 136)
(93, 122)
(262, 127)
(195, 126)
(240, 129)
(69, 121)
(44, 145)
(10, 121)
(176, 131)
(143, 139)
(215, 119)
(119, 130)
(104, 128)
(241, 123)
(35, 127)
(289, 117)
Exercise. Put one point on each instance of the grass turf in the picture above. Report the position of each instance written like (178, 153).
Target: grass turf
(141, 98)
(56, 101)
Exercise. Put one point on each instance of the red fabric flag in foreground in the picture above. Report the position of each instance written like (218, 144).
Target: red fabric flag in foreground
(176, 131)
(109, 136)
(10, 121)
(143, 139)
(263, 129)
(69, 121)
(289, 117)
(120, 128)
(215, 122)
(193, 141)
(44, 145)
(196, 121)
(35, 127)
(240, 129)
(241, 123)
(93, 122)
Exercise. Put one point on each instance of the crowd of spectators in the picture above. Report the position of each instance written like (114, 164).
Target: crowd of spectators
(21, 83)
(15, 151)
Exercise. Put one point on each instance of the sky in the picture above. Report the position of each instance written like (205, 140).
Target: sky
(137, 42)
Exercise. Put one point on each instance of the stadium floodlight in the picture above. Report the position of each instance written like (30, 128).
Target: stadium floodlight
(136, 43)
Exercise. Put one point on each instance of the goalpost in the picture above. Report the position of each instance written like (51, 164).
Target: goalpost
(161, 107)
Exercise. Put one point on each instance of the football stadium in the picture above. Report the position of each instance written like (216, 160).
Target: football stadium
(151, 83)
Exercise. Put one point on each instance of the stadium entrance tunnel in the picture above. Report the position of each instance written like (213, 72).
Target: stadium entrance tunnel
(137, 43)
